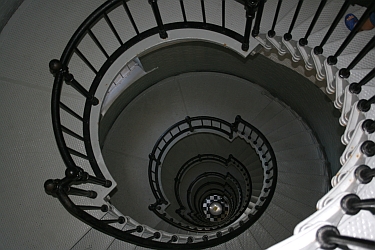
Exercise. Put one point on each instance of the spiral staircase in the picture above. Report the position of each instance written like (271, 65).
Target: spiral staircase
(180, 126)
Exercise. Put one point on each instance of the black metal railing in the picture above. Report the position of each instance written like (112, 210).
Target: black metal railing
(171, 136)
(329, 238)
(210, 158)
(75, 176)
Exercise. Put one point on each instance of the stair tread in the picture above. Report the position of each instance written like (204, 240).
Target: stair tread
(302, 166)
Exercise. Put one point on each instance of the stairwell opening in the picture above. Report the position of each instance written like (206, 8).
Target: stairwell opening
(149, 113)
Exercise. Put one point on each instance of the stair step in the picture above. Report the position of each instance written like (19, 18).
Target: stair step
(248, 240)
(355, 46)
(339, 33)
(298, 209)
(284, 217)
(344, 60)
(262, 235)
(120, 245)
(307, 14)
(304, 152)
(302, 193)
(276, 229)
(293, 141)
(285, 130)
(313, 167)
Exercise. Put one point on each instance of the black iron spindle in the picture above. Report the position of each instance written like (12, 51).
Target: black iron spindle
(368, 126)
(368, 148)
(57, 68)
(103, 208)
(271, 32)
(364, 174)
(174, 238)
(79, 175)
(329, 238)
(223, 13)
(70, 132)
(127, 10)
(356, 88)
(159, 21)
(269, 179)
(138, 229)
(318, 50)
(332, 60)
(80, 192)
(351, 204)
(76, 153)
(183, 10)
(69, 79)
(250, 7)
(85, 60)
(345, 72)
(365, 105)
(156, 235)
(70, 111)
(258, 19)
(203, 12)
(120, 220)
(288, 35)
(303, 41)
(188, 121)
(96, 41)
(113, 29)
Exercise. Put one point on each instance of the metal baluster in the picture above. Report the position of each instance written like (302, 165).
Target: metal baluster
(156, 235)
(76, 153)
(110, 24)
(368, 148)
(288, 35)
(364, 174)
(271, 32)
(329, 238)
(174, 238)
(80, 176)
(351, 204)
(368, 126)
(203, 11)
(332, 60)
(345, 72)
(223, 13)
(120, 220)
(159, 21)
(319, 49)
(70, 132)
(85, 60)
(103, 208)
(183, 10)
(356, 88)
(70, 111)
(258, 19)
(57, 68)
(138, 229)
(365, 105)
(188, 121)
(250, 7)
(303, 41)
(127, 10)
(80, 192)
(96, 41)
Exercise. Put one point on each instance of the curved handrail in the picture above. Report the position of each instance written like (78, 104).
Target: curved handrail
(61, 188)
(208, 157)
(174, 133)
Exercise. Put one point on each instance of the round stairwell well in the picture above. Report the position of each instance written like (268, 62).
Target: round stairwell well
(215, 95)
(193, 96)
